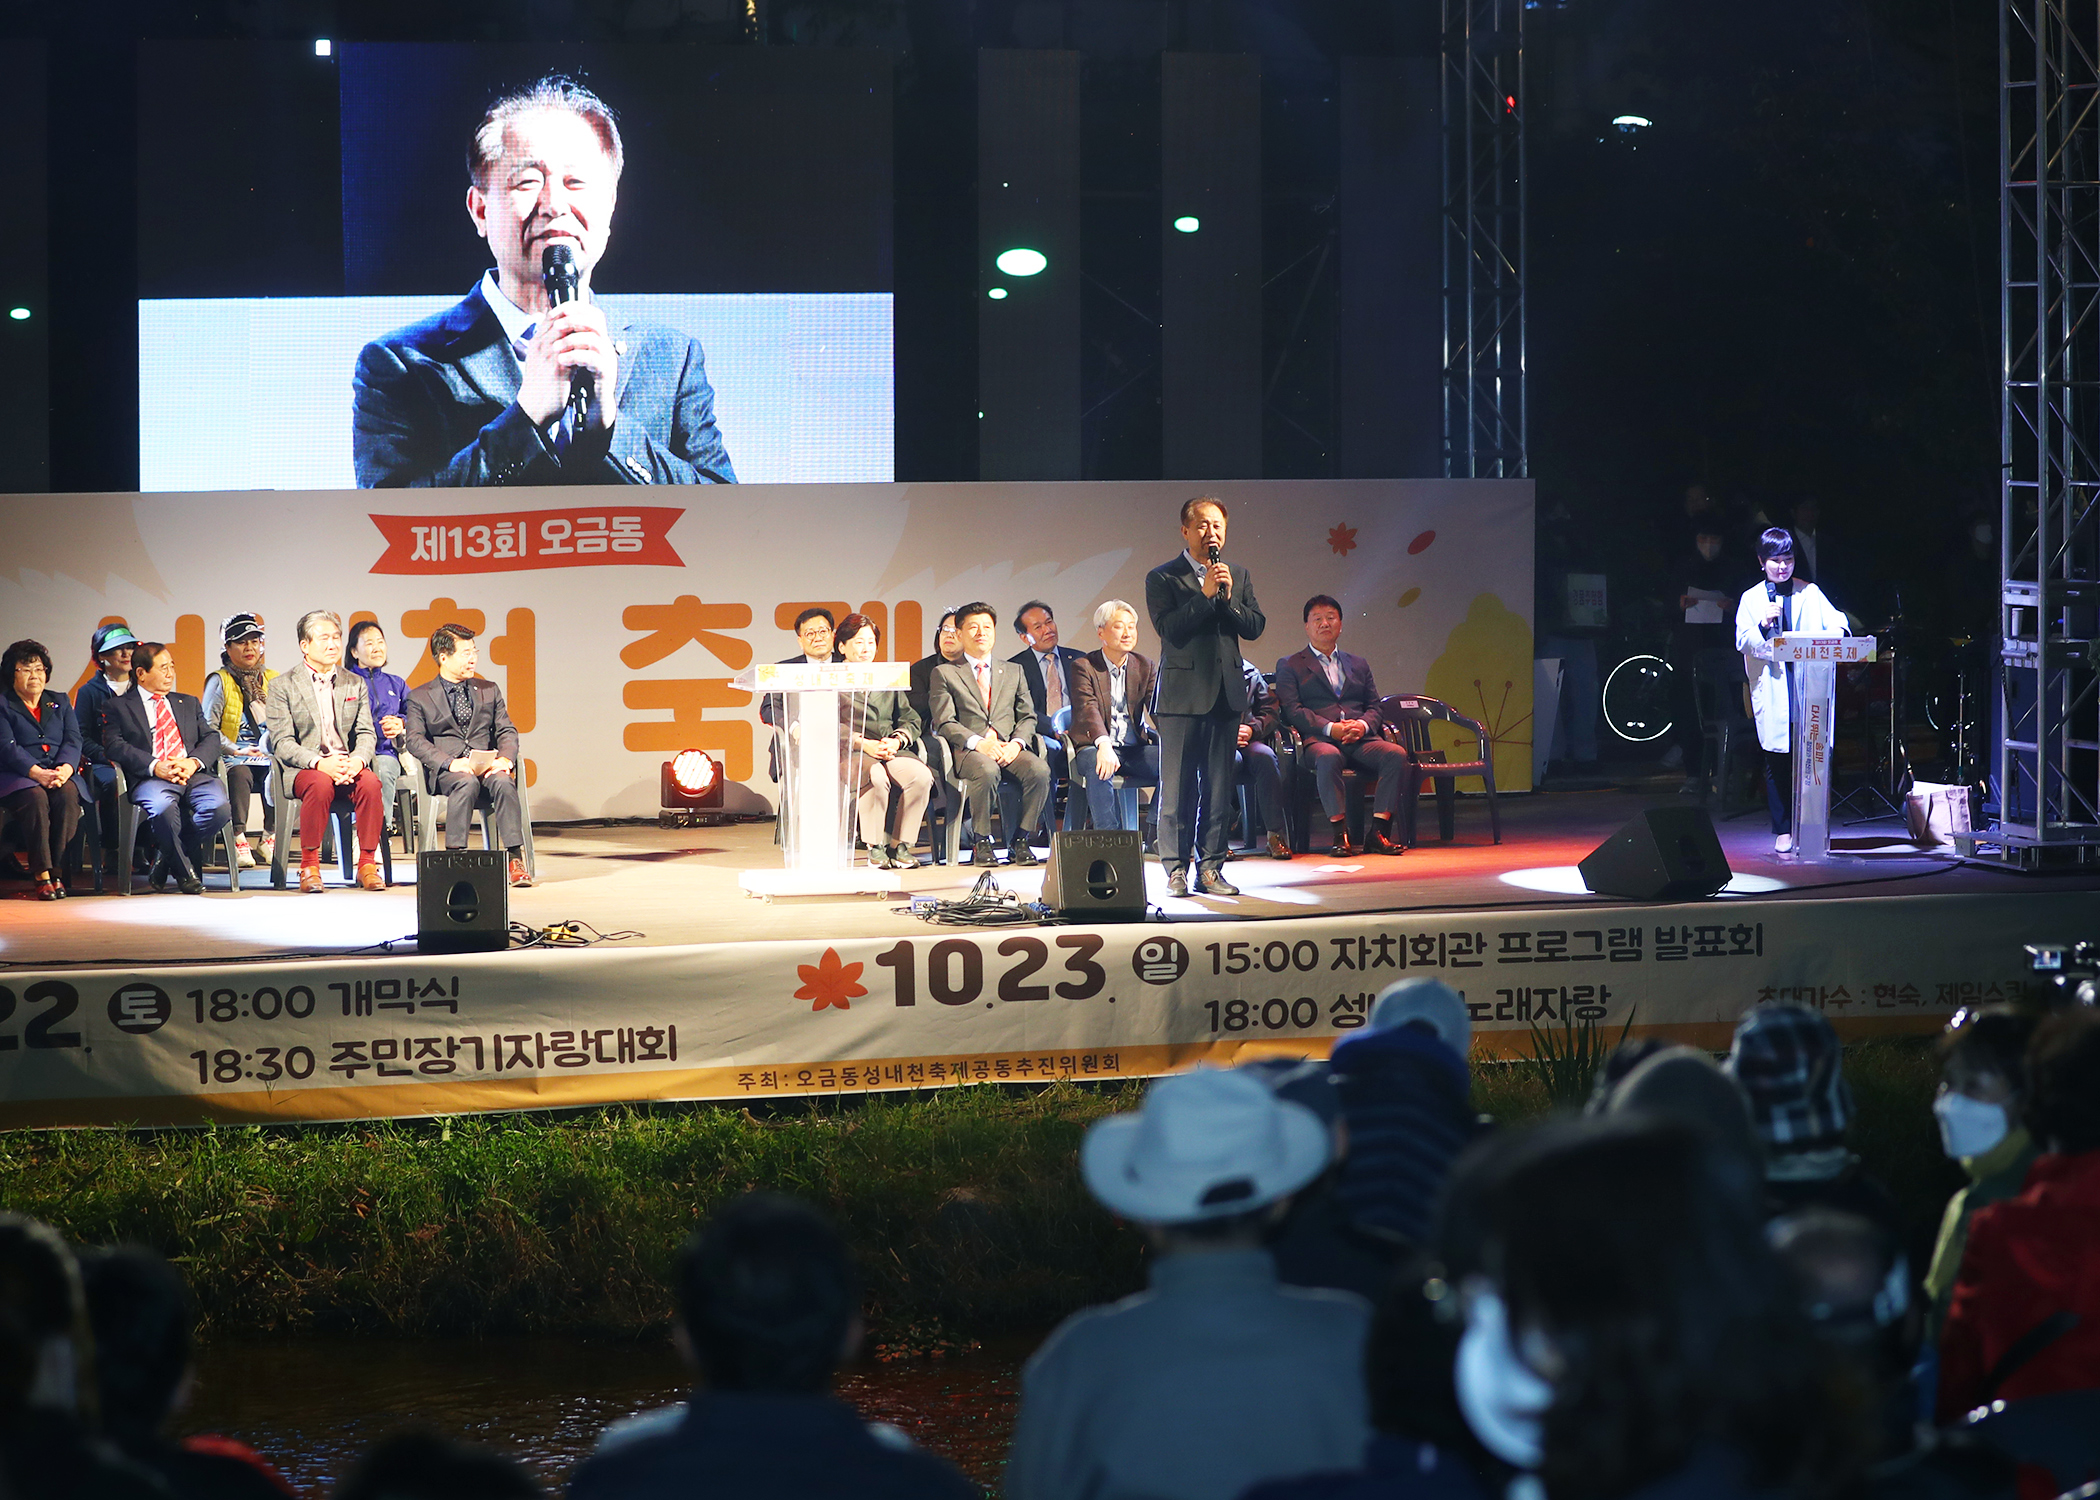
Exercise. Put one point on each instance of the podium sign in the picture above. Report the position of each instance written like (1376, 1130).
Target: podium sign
(1812, 663)
(819, 773)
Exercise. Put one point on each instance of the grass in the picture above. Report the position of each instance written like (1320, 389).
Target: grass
(964, 1206)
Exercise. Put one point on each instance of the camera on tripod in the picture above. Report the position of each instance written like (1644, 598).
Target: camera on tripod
(2072, 969)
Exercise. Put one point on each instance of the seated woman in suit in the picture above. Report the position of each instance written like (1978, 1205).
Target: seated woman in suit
(886, 742)
(39, 762)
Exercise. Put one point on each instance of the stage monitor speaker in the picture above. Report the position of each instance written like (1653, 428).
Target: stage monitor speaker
(1665, 854)
(1097, 875)
(462, 901)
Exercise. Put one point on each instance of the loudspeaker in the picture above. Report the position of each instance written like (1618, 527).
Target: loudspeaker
(462, 901)
(1665, 854)
(1096, 874)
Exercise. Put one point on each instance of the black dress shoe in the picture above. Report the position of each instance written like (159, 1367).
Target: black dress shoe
(1021, 852)
(1342, 848)
(1214, 883)
(1177, 882)
(189, 884)
(984, 852)
(1375, 842)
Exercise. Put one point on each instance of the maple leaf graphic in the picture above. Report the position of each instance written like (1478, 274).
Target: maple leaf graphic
(829, 982)
(1342, 539)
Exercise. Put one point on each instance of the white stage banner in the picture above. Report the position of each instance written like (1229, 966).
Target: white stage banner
(411, 1036)
(615, 618)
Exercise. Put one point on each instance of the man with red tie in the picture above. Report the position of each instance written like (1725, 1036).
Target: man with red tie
(169, 753)
(981, 707)
(320, 718)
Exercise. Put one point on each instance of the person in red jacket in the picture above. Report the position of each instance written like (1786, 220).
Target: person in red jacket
(2024, 1319)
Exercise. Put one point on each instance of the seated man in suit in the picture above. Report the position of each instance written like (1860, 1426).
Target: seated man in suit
(1111, 692)
(481, 393)
(1256, 756)
(1048, 667)
(459, 729)
(1329, 698)
(169, 753)
(110, 647)
(982, 709)
(320, 720)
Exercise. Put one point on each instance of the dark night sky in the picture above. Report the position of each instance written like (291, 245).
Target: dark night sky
(1786, 287)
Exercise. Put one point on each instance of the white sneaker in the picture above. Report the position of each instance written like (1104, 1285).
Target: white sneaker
(1783, 843)
(269, 846)
(242, 854)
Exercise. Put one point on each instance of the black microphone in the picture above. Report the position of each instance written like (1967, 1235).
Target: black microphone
(563, 280)
(1224, 589)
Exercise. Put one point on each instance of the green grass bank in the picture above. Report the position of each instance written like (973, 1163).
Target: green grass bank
(965, 1206)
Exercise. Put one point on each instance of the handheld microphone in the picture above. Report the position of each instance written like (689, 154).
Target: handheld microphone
(1212, 553)
(562, 278)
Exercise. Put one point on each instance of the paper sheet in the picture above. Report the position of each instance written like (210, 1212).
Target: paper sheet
(1708, 610)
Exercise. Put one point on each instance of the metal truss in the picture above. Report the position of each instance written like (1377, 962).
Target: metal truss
(2048, 763)
(1486, 416)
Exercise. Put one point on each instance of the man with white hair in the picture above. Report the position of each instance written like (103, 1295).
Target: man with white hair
(1111, 694)
(1216, 1376)
(487, 391)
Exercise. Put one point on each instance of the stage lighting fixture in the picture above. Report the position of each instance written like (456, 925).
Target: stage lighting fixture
(691, 782)
(1630, 123)
(1188, 223)
(997, 294)
(19, 314)
(1022, 262)
(323, 47)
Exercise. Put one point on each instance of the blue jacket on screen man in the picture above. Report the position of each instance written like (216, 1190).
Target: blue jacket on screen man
(436, 404)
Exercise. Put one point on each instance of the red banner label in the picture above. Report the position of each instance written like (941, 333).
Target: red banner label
(506, 543)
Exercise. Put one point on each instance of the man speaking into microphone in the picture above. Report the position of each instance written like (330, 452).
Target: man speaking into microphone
(1203, 608)
(527, 380)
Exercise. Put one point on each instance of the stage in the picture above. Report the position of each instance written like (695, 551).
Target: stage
(272, 1005)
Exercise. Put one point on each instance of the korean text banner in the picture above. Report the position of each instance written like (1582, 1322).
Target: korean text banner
(615, 618)
(344, 1039)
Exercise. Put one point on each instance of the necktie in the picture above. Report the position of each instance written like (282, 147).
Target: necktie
(167, 744)
(523, 342)
(325, 714)
(984, 685)
(1333, 669)
(1053, 683)
(462, 711)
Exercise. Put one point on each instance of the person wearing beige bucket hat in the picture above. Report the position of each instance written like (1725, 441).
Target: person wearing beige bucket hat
(1217, 1375)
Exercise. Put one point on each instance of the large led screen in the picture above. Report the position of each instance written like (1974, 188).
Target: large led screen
(342, 255)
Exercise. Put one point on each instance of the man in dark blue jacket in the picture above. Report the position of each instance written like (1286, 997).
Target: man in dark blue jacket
(768, 1307)
(1330, 698)
(481, 393)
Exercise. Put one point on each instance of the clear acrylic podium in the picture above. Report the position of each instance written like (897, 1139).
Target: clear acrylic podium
(819, 774)
(1812, 715)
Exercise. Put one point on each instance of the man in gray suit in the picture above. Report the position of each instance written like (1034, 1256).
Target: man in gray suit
(320, 719)
(480, 393)
(459, 729)
(982, 708)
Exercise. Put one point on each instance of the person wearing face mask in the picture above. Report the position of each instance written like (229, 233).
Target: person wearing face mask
(1628, 1332)
(2024, 1317)
(1780, 605)
(1979, 1107)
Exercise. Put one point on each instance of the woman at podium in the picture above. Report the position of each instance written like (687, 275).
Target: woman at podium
(1778, 606)
(883, 731)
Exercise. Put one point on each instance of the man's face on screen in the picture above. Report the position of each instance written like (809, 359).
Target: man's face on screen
(552, 184)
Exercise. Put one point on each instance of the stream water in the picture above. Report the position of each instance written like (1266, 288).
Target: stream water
(312, 1405)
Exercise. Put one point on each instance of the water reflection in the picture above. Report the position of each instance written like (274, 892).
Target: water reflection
(312, 1405)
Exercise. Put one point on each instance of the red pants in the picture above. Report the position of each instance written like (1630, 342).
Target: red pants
(317, 796)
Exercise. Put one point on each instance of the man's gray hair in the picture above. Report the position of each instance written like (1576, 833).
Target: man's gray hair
(1106, 612)
(555, 91)
(307, 621)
